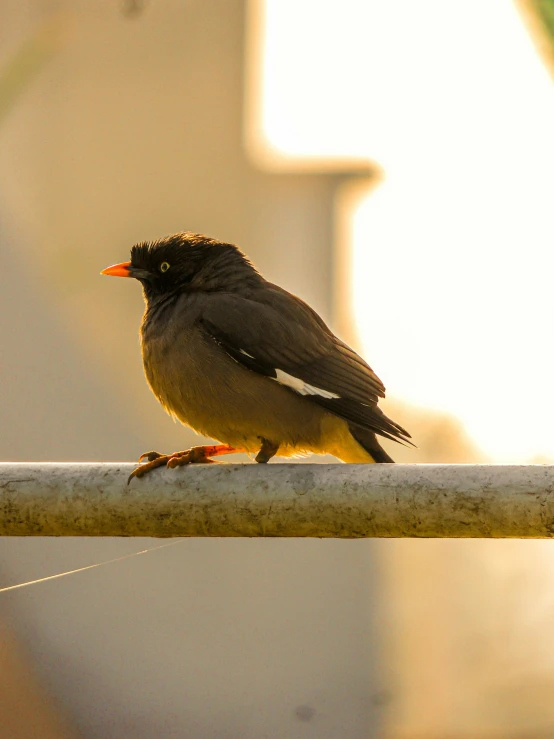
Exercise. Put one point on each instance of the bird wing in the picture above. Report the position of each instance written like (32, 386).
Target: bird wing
(276, 334)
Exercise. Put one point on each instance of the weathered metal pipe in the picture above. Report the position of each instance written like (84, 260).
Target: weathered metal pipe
(300, 500)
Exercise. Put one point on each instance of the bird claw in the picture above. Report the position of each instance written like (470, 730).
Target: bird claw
(150, 456)
(142, 469)
(195, 455)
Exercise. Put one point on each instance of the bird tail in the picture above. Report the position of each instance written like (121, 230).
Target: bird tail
(368, 440)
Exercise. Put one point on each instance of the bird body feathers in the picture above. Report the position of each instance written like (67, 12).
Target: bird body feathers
(196, 381)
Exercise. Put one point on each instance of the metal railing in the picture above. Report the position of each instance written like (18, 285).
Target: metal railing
(287, 500)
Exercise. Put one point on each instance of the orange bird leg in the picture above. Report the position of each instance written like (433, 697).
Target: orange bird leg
(194, 455)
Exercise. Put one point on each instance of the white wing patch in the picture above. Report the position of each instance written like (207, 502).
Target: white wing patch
(246, 353)
(302, 387)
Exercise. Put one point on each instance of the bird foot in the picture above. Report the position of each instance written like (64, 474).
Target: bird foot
(194, 455)
(268, 449)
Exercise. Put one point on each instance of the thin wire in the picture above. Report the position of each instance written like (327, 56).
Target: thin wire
(88, 567)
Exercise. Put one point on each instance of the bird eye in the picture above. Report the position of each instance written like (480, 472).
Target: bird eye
(164, 266)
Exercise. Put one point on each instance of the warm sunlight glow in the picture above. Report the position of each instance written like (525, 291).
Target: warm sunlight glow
(453, 254)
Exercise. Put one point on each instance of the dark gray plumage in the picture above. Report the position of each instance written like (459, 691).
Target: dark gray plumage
(245, 362)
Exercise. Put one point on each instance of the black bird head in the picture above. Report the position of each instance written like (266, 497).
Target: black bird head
(186, 262)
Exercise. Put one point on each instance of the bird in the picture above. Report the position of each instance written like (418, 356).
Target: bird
(246, 363)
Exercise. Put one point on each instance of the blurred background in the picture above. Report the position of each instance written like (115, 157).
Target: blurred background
(391, 163)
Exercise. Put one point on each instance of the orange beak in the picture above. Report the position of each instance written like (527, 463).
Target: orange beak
(118, 270)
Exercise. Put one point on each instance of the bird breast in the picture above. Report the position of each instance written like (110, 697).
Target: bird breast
(200, 384)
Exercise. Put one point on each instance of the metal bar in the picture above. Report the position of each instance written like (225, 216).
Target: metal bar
(291, 500)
